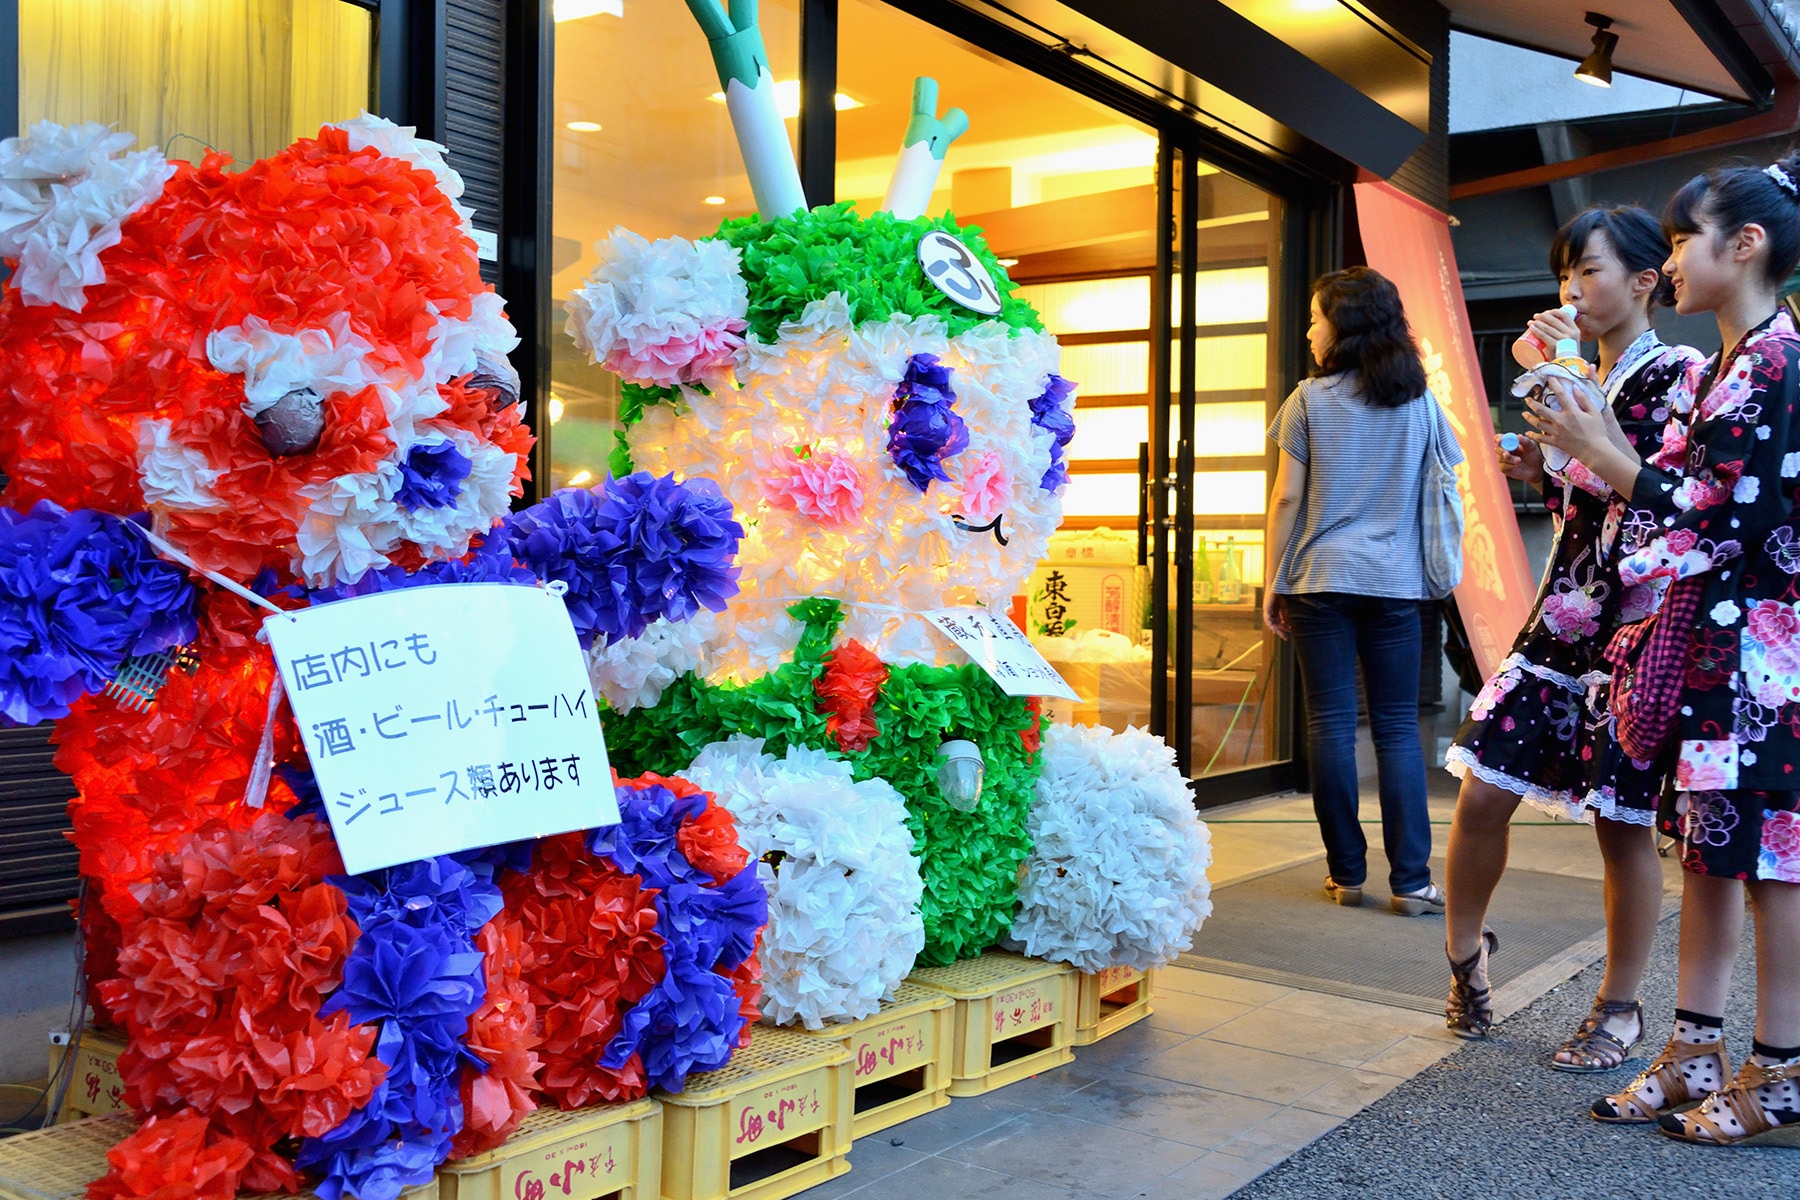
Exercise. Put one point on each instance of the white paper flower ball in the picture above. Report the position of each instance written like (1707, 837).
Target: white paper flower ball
(836, 858)
(1117, 873)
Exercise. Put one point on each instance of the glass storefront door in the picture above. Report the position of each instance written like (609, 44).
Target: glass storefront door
(1099, 218)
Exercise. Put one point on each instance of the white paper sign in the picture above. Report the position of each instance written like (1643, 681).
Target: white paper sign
(997, 646)
(445, 718)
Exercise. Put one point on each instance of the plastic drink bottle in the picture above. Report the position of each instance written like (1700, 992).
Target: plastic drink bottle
(1529, 350)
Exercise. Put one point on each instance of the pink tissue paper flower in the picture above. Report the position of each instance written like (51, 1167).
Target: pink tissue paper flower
(823, 487)
(985, 487)
(679, 360)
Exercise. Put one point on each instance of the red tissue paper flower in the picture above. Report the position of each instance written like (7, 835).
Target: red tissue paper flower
(177, 1157)
(847, 689)
(220, 982)
(592, 931)
(501, 1033)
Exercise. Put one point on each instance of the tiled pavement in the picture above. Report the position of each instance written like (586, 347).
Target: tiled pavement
(1225, 1079)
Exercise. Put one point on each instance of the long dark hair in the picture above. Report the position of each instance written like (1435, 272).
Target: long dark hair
(1733, 197)
(1370, 336)
(1636, 239)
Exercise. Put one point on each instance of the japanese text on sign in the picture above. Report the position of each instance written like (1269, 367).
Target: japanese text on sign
(445, 718)
(998, 647)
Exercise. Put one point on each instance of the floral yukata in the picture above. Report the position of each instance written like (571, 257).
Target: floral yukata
(1718, 505)
(1539, 727)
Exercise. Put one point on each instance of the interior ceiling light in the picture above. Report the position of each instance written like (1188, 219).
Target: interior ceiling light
(1597, 67)
(584, 126)
(787, 99)
(574, 10)
(715, 200)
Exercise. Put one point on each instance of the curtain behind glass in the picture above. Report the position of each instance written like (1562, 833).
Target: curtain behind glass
(245, 77)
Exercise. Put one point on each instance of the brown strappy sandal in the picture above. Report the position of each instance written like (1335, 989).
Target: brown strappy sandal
(1627, 1109)
(1469, 1010)
(1732, 1116)
(1599, 1049)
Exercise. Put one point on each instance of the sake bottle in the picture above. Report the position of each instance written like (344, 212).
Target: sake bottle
(1203, 581)
(1231, 576)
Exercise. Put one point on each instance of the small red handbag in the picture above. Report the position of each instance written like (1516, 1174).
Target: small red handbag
(1650, 666)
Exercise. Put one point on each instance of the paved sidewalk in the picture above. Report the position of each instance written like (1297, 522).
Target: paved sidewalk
(1228, 1077)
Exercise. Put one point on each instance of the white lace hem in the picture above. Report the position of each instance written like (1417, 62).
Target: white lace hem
(1597, 802)
(1520, 662)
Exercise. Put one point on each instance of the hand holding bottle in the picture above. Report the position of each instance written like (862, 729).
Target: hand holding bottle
(1537, 345)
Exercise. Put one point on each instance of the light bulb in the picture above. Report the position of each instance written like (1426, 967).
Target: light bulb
(959, 774)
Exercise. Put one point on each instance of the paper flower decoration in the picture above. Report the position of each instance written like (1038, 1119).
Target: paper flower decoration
(79, 593)
(634, 672)
(660, 313)
(847, 689)
(64, 192)
(836, 858)
(301, 394)
(1117, 872)
(1053, 411)
(632, 550)
(926, 428)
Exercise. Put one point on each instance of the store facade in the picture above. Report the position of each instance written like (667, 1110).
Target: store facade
(1162, 182)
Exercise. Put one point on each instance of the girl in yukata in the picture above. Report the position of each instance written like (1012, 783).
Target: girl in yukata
(1718, 506)
(1538, 731)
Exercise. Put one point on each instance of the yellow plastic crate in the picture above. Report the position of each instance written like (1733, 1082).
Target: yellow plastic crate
(772, 1122)
(899, 1058)
(1110, 1000)
(95, 1088)
(613, 1150)
(1014, 1017)
(58, 1163)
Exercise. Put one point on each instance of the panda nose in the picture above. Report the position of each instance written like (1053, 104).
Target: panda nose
(293, 424)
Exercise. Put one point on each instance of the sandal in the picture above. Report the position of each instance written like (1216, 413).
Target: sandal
(1595, 1047)
(1469, 1011)
(1733, 1117)
(1624, 1108)
(1349, 897)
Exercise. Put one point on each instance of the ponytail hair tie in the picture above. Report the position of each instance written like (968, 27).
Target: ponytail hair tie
(1783, 180)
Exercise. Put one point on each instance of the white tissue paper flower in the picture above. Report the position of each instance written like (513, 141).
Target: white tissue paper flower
(64, 192)
(330, 361)
(836, 858)
(646, 294)
(1117, 873)
(634, 672)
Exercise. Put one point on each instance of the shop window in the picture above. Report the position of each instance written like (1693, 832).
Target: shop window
(245, 77)
(1064, 191)
(643, 141)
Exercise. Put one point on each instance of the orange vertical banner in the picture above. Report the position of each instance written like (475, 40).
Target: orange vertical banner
(1409, 242)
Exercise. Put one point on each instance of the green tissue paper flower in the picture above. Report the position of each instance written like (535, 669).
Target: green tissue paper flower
(970, 861)
(791, 261)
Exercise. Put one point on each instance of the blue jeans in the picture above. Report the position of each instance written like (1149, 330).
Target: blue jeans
(1331, 631)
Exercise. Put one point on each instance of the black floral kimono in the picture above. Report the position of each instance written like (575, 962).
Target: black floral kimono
(1539, 727)
(1721, 503)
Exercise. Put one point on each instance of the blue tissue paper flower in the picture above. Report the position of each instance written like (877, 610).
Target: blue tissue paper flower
(636, 549)
(925, 429)
(431, 475)
(1050, 411)
(79, 594)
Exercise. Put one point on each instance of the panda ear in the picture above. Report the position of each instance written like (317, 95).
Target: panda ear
(496, 376)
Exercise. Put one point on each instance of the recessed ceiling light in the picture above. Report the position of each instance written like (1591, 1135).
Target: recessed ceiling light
(580, 478)
(715, 200)
(584, 126)
(1009, 262)
(574, 10)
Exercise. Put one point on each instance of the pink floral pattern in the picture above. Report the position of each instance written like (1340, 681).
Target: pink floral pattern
(681, 360)
(820, 486)
(1780, 855)
(986, 485)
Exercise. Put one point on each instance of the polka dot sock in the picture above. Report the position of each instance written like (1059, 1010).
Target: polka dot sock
(1703, 1073)
(1780, 1100)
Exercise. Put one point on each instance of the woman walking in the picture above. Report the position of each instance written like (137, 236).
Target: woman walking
(1721, 507)
(1532, 734)
(1345, 572)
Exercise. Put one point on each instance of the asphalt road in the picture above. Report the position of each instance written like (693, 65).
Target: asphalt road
(1491, 1120)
